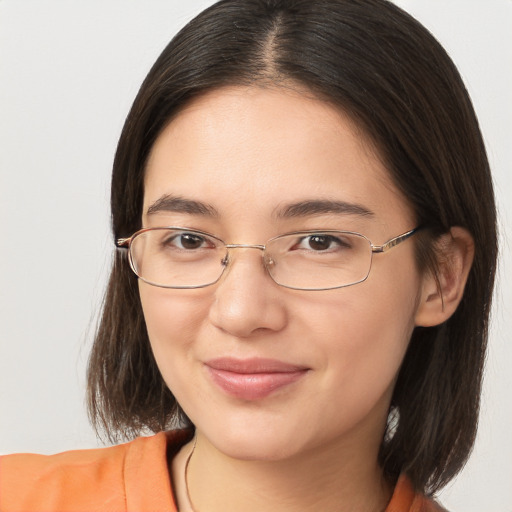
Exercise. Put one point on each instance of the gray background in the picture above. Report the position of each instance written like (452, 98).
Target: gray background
(68, 74)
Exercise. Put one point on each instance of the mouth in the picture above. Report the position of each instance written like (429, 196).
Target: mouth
(253, 379)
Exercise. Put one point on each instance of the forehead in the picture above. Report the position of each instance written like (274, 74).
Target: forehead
(252, 149)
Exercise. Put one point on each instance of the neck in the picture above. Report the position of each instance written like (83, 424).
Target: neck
(330, 479)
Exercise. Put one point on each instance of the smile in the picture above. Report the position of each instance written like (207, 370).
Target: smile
(253, 379)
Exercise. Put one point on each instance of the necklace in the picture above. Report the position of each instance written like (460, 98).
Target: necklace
(187, 492)
(185, 476)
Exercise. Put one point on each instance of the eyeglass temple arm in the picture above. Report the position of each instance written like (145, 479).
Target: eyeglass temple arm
(394, 241)
(123, 243)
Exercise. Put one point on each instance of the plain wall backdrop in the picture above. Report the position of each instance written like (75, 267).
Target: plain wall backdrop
(68, 74)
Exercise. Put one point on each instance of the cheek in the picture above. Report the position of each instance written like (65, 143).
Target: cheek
(173, 320)
(365, 331)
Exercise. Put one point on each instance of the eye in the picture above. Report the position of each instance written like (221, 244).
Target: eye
(188, 241)
(322, 243)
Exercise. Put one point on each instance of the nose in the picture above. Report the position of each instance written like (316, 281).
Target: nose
(246, 298)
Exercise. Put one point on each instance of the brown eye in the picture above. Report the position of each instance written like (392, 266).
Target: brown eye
(186, 242)
(320, 242)
(190, 241)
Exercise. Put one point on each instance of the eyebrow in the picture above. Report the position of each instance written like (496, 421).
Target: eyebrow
(321, 207)
(177, 204)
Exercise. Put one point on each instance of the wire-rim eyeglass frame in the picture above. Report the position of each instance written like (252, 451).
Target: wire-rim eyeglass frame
(126, 244)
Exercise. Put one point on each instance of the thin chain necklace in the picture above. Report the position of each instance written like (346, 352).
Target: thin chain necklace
(187, 462)
(187, 492)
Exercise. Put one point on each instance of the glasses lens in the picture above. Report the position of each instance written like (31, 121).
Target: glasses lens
(320, 260)
(175, 258)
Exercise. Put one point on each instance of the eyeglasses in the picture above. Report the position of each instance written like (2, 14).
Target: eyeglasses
(176, 257)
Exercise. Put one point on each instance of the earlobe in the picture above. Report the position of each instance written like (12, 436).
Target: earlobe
(442, 293)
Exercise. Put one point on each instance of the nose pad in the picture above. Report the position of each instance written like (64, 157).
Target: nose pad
(269, 264)
(267, 261)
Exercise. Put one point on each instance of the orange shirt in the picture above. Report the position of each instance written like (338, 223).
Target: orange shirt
(131, 477)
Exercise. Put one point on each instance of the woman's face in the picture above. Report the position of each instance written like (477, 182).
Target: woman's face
(266, 372)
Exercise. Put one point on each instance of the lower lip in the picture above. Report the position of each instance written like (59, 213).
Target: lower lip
(253, 386)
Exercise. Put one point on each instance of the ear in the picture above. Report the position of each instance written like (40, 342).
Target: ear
(442, 293)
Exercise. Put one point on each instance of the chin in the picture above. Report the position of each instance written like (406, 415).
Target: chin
(255, 450)
(255, 440)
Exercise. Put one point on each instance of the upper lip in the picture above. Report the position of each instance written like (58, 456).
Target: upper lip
(253, 365)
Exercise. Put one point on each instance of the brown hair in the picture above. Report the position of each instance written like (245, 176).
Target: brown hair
(379, 65)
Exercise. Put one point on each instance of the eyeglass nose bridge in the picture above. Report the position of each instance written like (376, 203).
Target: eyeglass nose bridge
(260, 247)
(245, 246)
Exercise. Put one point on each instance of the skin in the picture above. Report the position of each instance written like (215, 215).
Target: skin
(312, 445)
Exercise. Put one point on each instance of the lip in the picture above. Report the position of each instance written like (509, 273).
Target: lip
(253, 379)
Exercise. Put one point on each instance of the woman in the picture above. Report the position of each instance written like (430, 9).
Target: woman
(306, 231)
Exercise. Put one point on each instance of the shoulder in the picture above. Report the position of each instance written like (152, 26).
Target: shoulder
(405, 499)
(50, 481)
(113, 478)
